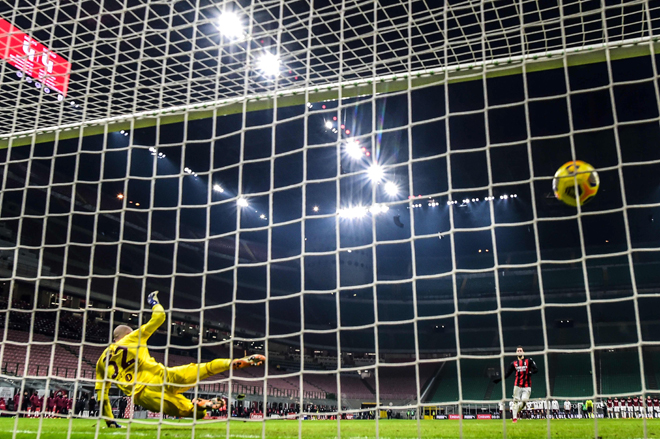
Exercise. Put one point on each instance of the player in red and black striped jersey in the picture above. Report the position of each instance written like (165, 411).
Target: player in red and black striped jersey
(629, 408)
(617, 407)
(524, 368)
(522, 386)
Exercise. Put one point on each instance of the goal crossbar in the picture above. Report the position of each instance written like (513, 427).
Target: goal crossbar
(535, 62)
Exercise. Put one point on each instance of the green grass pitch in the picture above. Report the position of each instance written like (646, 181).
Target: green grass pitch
(390, 429)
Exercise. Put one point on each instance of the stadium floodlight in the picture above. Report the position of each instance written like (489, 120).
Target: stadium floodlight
(353, 212)
(391, 189)
(378, 208)
(242, 202)
(230, 26)
(269, 64)
(189, 171)
(316, 208)
(352, 149)
(218, 188)
(328, 124)
(375, 173)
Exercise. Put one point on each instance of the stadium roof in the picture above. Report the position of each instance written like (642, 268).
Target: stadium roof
(129, 57)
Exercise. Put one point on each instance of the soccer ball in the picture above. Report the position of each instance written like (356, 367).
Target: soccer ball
(575, 174)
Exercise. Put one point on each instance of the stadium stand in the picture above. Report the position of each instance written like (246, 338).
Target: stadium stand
(474, 378)
(65, 357)
(619, 372)
(651, 363)
(446, 385)
(401, 383)
(570, 375)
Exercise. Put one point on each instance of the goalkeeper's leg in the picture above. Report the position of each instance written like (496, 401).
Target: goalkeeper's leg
(173, 404)
(182, 378)
(168, 399)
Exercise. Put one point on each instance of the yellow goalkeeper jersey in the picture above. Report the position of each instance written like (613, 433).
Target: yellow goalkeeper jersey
(118, 361)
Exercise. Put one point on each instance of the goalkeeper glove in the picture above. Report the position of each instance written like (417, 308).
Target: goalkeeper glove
(252, 360)
(112, 424)
(152, 299)
(209, 404)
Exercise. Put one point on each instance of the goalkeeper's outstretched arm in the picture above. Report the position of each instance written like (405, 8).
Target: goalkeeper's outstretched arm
(142, 334)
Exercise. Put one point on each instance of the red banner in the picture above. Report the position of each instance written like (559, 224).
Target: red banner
(484, 416)
(33, 58)
(257, 416)
(454, 416)
(349, 415)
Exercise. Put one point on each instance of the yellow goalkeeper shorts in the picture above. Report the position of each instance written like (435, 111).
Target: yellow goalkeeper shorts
(167, 389)
(173, 404)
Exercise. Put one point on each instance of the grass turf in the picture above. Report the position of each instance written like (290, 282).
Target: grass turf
(281, 429)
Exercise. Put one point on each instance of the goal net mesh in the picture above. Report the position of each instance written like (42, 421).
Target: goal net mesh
(361, 191)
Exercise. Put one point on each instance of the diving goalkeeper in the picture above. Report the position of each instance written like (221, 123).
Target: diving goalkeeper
(151, 383)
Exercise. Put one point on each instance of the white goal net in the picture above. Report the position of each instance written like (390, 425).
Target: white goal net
(361, 191)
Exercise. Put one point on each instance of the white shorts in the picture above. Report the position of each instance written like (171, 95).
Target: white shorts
(616, 409)
(521, 393)
(649, 409)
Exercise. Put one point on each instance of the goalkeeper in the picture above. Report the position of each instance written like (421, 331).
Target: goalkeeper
(151, 383)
